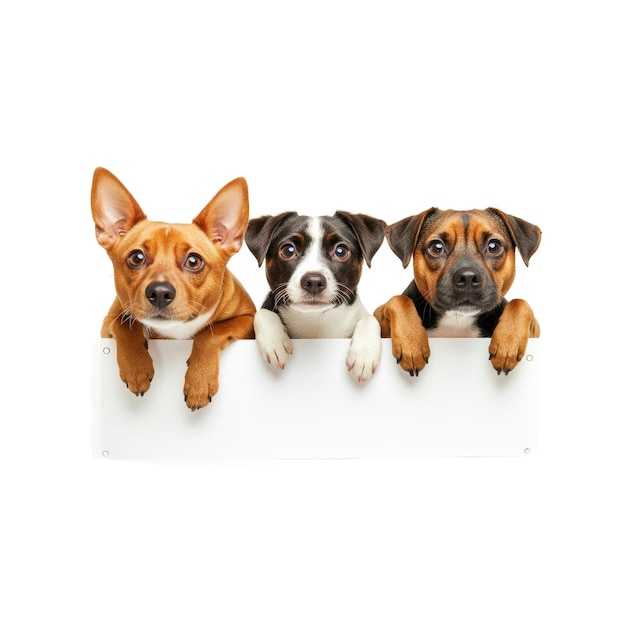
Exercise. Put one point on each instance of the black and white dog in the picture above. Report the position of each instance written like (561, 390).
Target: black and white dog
(313, 266)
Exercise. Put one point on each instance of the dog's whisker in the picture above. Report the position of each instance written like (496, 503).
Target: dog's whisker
(126, 316)
(344, 295)
(281, 296)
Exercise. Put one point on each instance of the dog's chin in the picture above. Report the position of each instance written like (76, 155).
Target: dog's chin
(467, 311)
(311, 307)
(462, 310)
(177, 329)
(159, 318)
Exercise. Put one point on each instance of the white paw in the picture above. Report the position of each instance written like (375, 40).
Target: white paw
(365, 349)
(272, 339)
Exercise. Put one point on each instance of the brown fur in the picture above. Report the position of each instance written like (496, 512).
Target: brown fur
(168, 255)
(465, 235)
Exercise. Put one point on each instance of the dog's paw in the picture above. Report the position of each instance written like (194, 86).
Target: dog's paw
(137, 373)
(365, 349)
(510, 337)
(506, 351)
(272, 339)
(363, 360)
(411, 350)
(277, 352)
(198, 390)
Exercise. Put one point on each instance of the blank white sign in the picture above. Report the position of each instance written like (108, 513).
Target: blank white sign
(457, 406)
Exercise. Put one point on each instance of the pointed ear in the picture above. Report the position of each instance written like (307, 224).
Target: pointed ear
(225, 218)
(114, 209)
(402, 236)
(525, 236)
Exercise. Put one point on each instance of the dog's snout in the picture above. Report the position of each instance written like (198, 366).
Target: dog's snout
(160, 294)
(467, 279)
(313, 283)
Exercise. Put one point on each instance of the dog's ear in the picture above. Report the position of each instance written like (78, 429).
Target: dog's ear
(260, 232)
(402, 236)
(225, 218)
(525, 236)
(369, 231)
(114, 209)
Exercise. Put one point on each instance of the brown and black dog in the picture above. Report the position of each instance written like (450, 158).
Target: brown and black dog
(172, 283)
(463, 265)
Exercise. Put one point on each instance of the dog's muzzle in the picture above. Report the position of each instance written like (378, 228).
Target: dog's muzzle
(466, 289)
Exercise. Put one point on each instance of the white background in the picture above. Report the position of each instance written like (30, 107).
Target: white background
(384, 108)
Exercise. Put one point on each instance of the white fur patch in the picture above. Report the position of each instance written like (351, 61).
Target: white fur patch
(312, 261)
(338, 321)
(272, 338)
(454, 324)
(365, 349)
(173, 329)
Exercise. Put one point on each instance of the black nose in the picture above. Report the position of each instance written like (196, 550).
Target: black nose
(160, 294)
(467, 279)
(313, 283)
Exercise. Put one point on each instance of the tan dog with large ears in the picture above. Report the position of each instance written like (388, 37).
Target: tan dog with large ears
(172, 283)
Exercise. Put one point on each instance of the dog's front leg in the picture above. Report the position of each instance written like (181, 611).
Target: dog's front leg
(510, 337)
(202, 376)
(365, 348)
(272, 339)
(409, 343)
(133, 359)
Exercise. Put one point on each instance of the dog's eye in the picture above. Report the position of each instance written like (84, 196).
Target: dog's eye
(436, 248)
(342, 252)
(287, 251)
(194, 263)
(136, 259)
(495, 247)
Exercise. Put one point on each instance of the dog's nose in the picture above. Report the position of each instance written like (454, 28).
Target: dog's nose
(160, 294)
(313, 283)
(467, 279)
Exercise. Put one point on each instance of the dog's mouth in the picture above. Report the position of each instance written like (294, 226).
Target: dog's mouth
(305, 303)
(160, 315)
(466, 304)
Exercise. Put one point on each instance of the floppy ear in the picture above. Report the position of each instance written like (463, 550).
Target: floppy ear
(114, 209)
(402, 236)
(260, 232)
(225, 218)
(525, 236)
(369, 231)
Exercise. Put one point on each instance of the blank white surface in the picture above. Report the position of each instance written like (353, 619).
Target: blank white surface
(457, 406)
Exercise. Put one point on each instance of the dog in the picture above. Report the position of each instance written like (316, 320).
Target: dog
(313, 266)
(172, 282)
(463, 265)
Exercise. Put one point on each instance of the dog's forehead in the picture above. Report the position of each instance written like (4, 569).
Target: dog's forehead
(332, 225)
(312, 228)
(470, 224)
(163, 235)
(293, 226)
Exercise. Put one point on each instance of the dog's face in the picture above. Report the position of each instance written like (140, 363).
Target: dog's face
(463, 261)
(168, 276)
(314, 262)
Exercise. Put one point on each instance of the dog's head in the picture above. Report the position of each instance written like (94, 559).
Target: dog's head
(463, 261)
(168, 276)
(314, 262)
